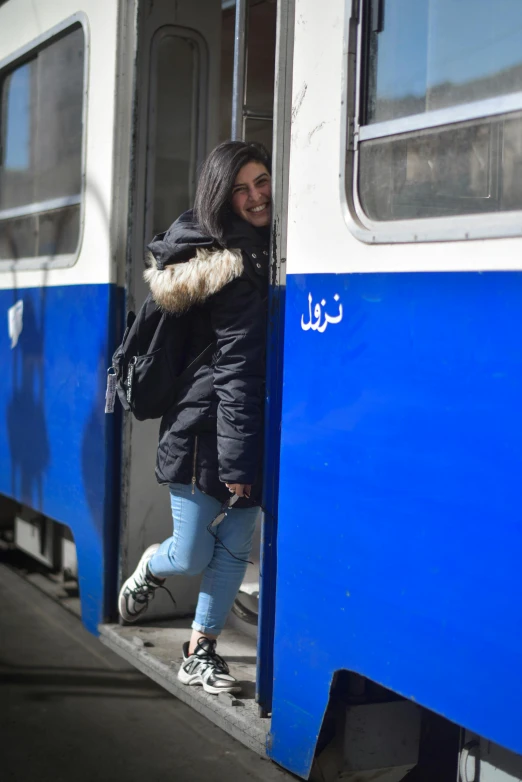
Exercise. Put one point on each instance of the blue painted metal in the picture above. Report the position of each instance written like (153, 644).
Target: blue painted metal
(58, 450)
(268, 559)
(399, 536)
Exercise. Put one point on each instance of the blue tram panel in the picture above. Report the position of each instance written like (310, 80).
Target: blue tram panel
(57, 455)
(399, 544)
(401, 446)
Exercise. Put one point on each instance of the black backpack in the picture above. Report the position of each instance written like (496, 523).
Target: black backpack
(147, 368)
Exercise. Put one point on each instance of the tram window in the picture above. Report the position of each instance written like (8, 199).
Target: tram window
(261, 57)
(460, 170)
(260, 72)
(174, 153)
(41, 104)
(430, 54)
(259, 130)
(440, 126)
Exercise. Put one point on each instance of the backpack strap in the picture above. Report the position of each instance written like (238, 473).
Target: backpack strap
(193, 367)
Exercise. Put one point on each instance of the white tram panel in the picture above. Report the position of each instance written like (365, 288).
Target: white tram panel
(23, 23)
(319, 220)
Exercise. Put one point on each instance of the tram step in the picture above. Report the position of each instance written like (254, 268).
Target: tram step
(155, 650)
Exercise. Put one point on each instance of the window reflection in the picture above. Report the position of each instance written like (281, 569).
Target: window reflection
(41, 127)
(17, 91)
(467, 169)
(432, 54)
(512, 165)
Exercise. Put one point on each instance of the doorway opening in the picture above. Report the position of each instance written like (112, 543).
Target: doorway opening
(185, 99)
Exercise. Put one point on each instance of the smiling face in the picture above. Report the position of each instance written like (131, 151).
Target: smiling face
(251, 194)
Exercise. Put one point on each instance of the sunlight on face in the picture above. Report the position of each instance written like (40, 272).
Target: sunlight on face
(251, 194)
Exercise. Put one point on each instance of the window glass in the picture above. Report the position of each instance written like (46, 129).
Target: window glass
(175, 130)
(260, 71)
(512, 164)
(18, 237)
(425, 55)
(465, 169)
(261, 57)
(16, 175)
(58, 231)
(58, 142)
(41, 124)
(259, 130)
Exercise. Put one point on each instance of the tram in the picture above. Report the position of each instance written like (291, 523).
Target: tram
(382, 622)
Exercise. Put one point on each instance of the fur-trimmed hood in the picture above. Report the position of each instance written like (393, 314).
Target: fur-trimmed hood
(186, 267)
(180, 285)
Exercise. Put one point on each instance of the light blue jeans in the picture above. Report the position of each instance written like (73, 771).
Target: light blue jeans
(192, 550)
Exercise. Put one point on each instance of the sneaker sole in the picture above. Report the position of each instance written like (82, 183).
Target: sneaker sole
(195, 681)
(122, 603)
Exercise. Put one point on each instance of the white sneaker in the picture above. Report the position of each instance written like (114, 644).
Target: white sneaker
(207, 668)
(139, 588)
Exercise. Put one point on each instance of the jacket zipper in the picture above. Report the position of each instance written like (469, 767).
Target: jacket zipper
(194, 465)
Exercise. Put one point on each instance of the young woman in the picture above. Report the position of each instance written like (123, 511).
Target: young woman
(211, 266)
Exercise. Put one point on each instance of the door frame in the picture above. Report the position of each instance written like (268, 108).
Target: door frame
(275, 345)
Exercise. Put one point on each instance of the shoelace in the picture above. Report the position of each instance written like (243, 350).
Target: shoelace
(211, 657)
(145, 592)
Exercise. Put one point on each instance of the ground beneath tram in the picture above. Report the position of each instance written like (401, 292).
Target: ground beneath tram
(73, 710)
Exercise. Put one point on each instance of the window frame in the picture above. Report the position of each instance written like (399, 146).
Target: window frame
(10, 63)
(200, 109)
(412, 230)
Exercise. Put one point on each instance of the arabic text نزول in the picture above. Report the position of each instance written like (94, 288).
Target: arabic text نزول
(316, 325)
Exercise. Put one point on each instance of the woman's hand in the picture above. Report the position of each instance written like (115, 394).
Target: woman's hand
(241, 489)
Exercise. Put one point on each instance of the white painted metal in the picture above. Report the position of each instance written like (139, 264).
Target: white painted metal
(41, 206)
(22, 23)
(69, 564)
(317, 172)
(123, 132)
(240, 67)
(38, 538)
(282, 130)
(482, 761)
(489, 107)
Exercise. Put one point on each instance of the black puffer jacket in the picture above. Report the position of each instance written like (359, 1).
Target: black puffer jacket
(214, 432)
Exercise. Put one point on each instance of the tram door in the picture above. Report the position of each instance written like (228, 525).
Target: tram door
(184, 105)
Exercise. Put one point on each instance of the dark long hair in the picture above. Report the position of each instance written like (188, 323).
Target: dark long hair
(219, 172)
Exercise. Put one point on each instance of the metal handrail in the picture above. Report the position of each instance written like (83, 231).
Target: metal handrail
(240, 64)
(254, 114)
